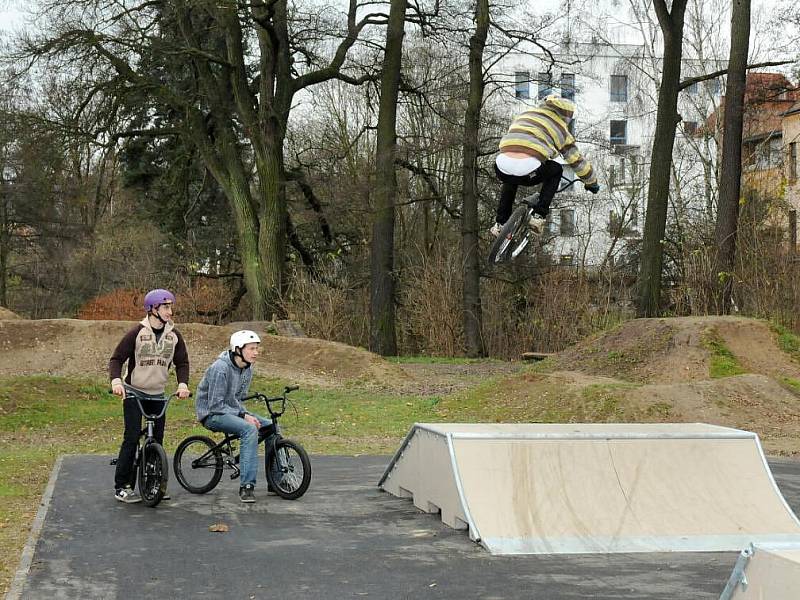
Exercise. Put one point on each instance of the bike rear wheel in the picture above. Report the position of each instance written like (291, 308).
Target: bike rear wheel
(198, 464)
(512, 239)
(153, 474)
(288, 469)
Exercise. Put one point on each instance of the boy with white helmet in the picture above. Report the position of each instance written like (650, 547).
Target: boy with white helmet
(219, 408)
(534, 139)
(149, 349)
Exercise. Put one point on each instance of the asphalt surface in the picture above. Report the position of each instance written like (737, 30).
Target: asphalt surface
(344, 539)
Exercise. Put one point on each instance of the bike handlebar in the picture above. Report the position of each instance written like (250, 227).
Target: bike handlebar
(568, 184)
(534, 198)
(146, 415)
(267, 400)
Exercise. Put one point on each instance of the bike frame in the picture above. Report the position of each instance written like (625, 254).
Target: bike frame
(530, 201)
(231, 460)
(509, 240)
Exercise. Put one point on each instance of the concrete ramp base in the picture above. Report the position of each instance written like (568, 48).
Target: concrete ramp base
(765, 571)
(594, 488)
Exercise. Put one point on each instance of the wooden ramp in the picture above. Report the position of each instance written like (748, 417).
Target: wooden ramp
(587, 488)
(765, 571)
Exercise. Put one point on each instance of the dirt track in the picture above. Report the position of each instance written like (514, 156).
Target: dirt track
(655, 369)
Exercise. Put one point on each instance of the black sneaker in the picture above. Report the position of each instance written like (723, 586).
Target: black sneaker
(246, 493)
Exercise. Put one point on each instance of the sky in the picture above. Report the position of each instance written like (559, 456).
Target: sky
(13, 18)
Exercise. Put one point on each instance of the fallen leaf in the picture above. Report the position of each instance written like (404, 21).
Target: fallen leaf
(218, 528)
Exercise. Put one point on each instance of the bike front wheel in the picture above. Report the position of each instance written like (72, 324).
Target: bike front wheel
(512, 239)
(197, 464)
(153, 474)
(288, 469)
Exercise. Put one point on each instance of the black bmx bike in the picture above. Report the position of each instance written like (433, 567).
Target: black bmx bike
(516, 235)
(199, 460)
(150, 463)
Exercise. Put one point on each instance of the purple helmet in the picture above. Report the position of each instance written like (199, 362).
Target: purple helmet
(155, 298)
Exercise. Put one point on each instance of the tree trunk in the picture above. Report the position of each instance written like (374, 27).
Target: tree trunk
(649, 284)
(5, 235)
(731, 164)
(473, 340)
(382, 338)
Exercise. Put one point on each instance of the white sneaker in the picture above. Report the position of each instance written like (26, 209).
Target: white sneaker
(495, 229)
(536, 223)
(127, 495)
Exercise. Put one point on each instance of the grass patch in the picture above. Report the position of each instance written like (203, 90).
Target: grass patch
(787, 341)
(792, 383)
(723, 363)
(659, 410)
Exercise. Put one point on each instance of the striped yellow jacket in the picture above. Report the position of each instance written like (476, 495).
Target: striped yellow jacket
(542, 133)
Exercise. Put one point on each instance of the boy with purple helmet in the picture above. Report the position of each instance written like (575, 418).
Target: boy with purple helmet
(149, 349)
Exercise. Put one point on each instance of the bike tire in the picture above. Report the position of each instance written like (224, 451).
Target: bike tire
(288, 469)
(513, 233)
(197, 477)
(153, 474)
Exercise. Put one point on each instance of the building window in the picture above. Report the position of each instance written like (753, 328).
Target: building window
(566, 260)
(767, 154)
(793, 161)
(568, 86)
(689, 127)
(567, 218)
(545, 85)
(619, 88)
(616, 173)
(550, 226)
(713, 87)
(619, 132)
(521, 85)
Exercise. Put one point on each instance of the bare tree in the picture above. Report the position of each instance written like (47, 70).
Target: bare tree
(731, 164)
(649, 282)
(227, 74)
(469, 215)
(383, 339)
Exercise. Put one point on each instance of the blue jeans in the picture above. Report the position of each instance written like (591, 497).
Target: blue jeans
(248, 446)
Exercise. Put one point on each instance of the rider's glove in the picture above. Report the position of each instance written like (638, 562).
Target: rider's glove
(593, 187)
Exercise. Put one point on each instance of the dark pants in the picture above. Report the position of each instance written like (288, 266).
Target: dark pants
(548, 174)
(125, 474)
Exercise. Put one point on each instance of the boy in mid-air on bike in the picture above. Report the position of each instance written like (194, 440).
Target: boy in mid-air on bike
(534, 138)
(219, 408)
(150, 349)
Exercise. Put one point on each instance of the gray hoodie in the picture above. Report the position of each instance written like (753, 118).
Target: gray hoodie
(222, 388)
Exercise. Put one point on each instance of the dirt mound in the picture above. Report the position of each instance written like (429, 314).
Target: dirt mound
(677, 350)
(77, 347)
(8, 314)
(750, 402)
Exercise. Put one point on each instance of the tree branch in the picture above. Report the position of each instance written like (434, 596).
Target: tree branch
(691, 80)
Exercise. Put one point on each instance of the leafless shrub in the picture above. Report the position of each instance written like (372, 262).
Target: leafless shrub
(329, 306)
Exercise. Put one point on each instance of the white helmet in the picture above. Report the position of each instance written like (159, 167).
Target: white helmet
(245, 336)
